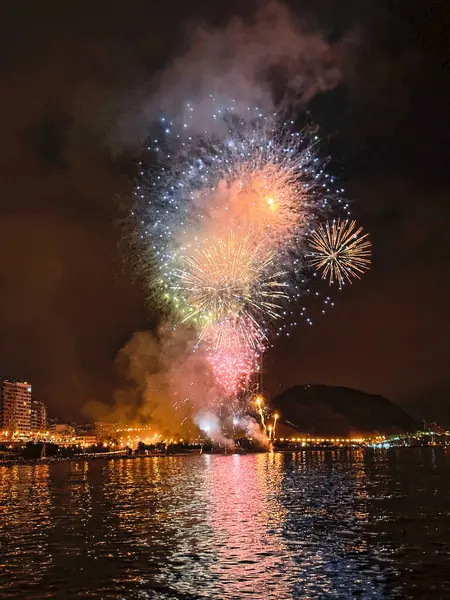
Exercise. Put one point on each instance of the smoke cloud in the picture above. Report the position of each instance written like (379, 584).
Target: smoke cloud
(259, 61)
(209, 423)
(253, 430)
(165, 383)
(239, 61)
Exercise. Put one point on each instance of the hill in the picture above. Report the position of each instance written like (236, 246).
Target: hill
(327, 410)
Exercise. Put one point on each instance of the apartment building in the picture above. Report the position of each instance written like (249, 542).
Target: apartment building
(15, 405)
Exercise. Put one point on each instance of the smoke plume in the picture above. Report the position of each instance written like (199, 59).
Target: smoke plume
(265, 61)
(167, 385)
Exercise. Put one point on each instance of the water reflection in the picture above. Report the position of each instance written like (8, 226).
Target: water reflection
(306, 525)
(409, 515)
(325, 524)
(246, 517)
(25, 526)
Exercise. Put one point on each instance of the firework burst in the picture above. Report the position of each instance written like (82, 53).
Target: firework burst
(225, 218)
(234, 347)
(230, 279)
(341, 251)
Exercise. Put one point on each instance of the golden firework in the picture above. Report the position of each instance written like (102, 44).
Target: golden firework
(340, 251)
(229, 279)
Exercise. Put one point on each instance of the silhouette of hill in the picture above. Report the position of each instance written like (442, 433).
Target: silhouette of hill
(328, 410)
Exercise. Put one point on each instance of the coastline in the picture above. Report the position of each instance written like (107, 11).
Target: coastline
(116, 456)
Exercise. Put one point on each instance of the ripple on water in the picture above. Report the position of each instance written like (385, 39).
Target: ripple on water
(265, 526)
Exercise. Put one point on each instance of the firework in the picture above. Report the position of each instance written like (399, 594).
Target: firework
(228, 280)
(340, 252)
(259, 404)
(225, 217)
(259, 180)
(233, 349)
(275, 419)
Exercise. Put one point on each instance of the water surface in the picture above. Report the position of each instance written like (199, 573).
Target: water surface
(264, 526)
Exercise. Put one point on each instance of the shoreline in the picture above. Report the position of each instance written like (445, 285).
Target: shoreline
(103, 456)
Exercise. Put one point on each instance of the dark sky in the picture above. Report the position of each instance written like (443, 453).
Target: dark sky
(71, 74)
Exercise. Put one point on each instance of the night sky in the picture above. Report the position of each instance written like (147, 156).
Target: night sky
(75, 75)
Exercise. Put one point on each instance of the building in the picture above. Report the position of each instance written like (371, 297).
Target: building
(38, 416)
(85, 429)
(86, 440)
(15, 405)
(106, 430)
(61, 429)
(61, 433)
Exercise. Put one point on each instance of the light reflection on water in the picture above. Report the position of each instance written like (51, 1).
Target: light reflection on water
(275, 526)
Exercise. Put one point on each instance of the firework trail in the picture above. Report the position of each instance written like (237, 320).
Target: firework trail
(228, 220)
(275, 419)
(259, 404)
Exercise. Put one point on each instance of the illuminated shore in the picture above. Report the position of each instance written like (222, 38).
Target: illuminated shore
(43, 452)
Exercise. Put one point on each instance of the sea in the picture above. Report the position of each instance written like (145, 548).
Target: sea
(311, 524)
